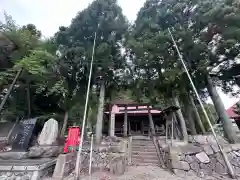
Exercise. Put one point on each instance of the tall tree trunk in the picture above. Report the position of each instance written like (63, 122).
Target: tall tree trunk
(188, 112)
(196, 114)
(191, 120)
(9, 90)
(28, 99)
(65, 122)
(11, 130)
(210, 113)
(151, 123)
(89, 124)
(220, 109)
(100, 113)
(85, 137)
(181, 119)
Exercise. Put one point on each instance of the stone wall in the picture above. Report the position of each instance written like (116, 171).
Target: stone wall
(109, 156)
(202, 157)
(22, 171)
(112, 149)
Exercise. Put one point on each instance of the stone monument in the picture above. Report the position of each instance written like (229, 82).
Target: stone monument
(49, 133)
(47, 142)
(26, 162)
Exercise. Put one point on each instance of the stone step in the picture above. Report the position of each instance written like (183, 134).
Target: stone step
(141, 138)
(146, 164)
(145, 161)
(144, 149)
(144, 153)
(138, 157)
(143, 142)
(148, 145)
(146, 142)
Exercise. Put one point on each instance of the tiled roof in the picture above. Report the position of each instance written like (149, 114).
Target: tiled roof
(231, 113)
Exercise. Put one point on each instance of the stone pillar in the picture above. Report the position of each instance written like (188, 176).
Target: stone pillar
(112, 124)
(125, 122)
(129, 128)
(151, 123)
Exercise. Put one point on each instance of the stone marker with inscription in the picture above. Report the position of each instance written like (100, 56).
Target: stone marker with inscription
(49, 133)
(24, 134)
(47, 142)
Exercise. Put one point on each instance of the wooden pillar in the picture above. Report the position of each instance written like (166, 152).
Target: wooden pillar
(125, 122)
(129, 128)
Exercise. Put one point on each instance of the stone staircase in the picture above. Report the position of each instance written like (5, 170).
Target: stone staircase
(144, 153)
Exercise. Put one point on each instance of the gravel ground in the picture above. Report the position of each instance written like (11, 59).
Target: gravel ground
(145, 173)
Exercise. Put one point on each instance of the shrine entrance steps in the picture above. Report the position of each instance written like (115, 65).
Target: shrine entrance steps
(144, 152)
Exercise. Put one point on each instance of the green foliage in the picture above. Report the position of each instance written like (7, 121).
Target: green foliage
(137, 62)
(200, 32)
(106, 19)
(212, 115)
(36, 63)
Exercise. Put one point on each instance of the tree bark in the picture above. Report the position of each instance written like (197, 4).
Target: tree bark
(65, 122)
(188, 112)
(196, 114)
(220, 109)
(100, 113)
(181, 119)
(177, 132)
(151, 122)
(191, 120)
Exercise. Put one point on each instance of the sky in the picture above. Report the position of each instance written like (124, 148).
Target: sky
(48, 15)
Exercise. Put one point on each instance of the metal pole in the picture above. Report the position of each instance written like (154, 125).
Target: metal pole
(90, 159)
(172, 132)
(228, 164)
(78, 162)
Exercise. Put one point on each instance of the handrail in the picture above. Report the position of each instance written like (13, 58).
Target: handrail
(159, 154)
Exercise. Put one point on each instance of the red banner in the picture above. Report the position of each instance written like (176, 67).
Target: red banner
(73, 139)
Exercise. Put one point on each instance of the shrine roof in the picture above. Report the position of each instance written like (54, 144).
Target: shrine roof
(123, 102)
(141, 109)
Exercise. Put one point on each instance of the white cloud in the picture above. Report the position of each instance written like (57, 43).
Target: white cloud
(131, 7)
(228, 99)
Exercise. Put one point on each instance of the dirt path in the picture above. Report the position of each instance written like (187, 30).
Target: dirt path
(145, 173)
